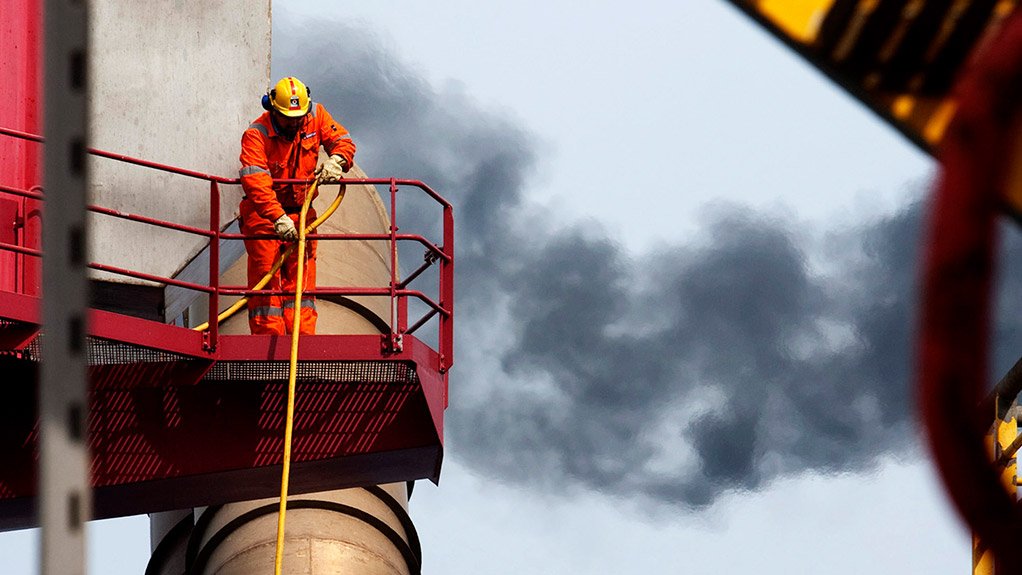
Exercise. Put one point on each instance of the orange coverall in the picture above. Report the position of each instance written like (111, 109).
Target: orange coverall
(267, 155)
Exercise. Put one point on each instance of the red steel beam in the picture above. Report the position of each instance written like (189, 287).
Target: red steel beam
(975, 186)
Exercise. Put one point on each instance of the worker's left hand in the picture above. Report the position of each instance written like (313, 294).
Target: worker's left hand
(332, 169)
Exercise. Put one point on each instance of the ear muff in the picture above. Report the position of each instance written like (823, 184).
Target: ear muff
(266, 102)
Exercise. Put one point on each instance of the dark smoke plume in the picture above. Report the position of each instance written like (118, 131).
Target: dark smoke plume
(715, 365)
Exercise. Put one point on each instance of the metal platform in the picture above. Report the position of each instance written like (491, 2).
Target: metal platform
(182, 418)
(177, 426)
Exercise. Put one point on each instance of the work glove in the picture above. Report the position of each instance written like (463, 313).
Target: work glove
(332, 169)
(285, 229)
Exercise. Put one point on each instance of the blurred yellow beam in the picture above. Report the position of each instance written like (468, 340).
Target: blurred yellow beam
(799, 19)
(899, 57)
(1002, 452)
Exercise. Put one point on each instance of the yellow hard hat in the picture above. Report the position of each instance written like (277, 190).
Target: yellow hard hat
(289, 97)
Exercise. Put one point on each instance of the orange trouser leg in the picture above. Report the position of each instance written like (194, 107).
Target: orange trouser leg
(289, 274)
(275, 314)
(265, 313)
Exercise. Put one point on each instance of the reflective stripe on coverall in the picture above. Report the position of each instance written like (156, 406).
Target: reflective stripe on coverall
(266, 155)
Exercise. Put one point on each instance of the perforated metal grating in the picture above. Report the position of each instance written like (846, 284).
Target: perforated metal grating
(386, 372)
(105, 352)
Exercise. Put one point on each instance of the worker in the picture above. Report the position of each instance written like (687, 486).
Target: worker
(283, 143)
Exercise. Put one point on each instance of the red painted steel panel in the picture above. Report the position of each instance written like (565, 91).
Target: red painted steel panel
(319, 347)
(434, 383)
(15, 336)
(176, 433)
(184, 341)
(113, 326)
(21, 93)
(19, 308)
(9, 216)
(151, 334)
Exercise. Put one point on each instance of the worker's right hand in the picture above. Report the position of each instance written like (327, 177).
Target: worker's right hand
(285, 228)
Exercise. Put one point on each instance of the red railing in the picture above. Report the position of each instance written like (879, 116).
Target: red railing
(397, 291)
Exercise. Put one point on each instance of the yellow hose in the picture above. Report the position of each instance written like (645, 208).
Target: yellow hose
(280, 260)
(295, 329)
(292, 372)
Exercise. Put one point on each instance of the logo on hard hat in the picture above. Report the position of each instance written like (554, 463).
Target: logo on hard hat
(294, 103)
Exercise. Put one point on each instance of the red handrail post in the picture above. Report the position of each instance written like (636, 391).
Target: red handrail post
(214, 265)
(402, 313)
(402, 300)
(447, 293)
(395, 343)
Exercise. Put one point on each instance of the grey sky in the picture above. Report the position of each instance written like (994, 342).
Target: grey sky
(618, 172)
(687, 100)
(577, 374)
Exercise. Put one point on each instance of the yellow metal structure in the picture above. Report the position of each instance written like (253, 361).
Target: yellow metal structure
(1001, 443)
(899, 57)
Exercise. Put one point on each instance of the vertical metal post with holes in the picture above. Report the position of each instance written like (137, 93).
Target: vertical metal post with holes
(65, 500)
